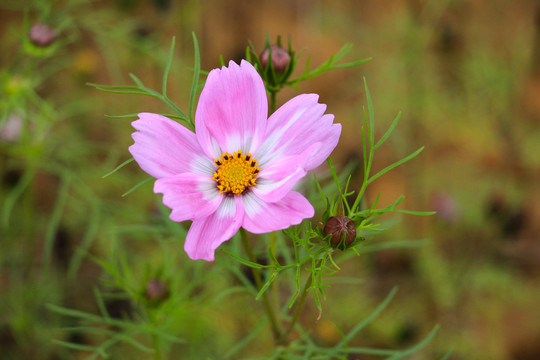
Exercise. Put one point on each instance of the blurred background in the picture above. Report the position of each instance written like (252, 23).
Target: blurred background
(464, 74)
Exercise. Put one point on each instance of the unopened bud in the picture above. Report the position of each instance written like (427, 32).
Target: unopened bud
(156, 290)
(42, 35)
(280, 58)
(11, 129)
(342, 231)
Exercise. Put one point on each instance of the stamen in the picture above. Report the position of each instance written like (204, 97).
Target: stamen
(235, 172)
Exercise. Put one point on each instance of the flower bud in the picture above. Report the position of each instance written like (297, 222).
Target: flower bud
(42, 35)
(340, 227)
(11, 129)
(280, 58)
(156, 290)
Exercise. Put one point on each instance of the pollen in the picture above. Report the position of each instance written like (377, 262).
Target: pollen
(235, 173)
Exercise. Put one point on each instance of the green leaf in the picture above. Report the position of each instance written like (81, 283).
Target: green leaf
(389, 131)
(101, 304)
(319, 189)
(371, 130)
(368, 319)
(137, 81)
(267, 285)
(341, 53)
(131, 341)
(88, 237)
(118, 168)
(54, 222)
(447, 355)
(79, 347)
(370, 351)
(121, 116)
(396, 164)
(417, 347)
(137, 186)
(73, 313)
(114, 87)
(244, 261)
(247, 339)
(11, 199)
(168, 67)
(351, 64)
(217, 299)
(195, 82)
(343, 200)
(124, 92)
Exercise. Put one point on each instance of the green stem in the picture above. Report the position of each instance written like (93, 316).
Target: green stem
(275, 288)
(276, 327)
(155, 342)
(272, 102)
(284, 340)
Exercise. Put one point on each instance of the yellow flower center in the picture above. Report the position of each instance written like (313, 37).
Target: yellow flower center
(235, 172)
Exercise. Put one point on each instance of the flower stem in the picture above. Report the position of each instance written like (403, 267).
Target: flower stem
(157, 348)
(284, 340)
(272, 102)
(276, 326)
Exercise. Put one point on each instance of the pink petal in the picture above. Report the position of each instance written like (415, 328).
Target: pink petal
(165, 148)
(232, 110)
(206, 234)
(262, 217)
(277, 178)
(189, 195)
(297, 125)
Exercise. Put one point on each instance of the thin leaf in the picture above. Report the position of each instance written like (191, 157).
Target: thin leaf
(318, 185)
(137, 186)
(447, 355)
(114, 87)
(79, 347)
(137, 81)
(371, 351)
(341, 53)
(101, 304)
(244, 261)
(267, 285)
(129, 340)
(195, 82)
(247, 339)
(389, 131)
(168, 67)
(54, 222)
(121, 116)
(217, 299)
(417, 347)
(371, 130)
(176, 117)
(351, 64)
(11, 199)
(89, 236)
(73, 313)
(368, 319)
(124, 92)
(118, 167)
(337, 182)
(396, 164)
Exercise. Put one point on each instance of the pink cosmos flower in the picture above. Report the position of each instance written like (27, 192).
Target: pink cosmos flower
(238, 169)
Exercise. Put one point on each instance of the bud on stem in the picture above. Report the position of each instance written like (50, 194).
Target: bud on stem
(342, 231)
(280, 58)
(42, 35)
